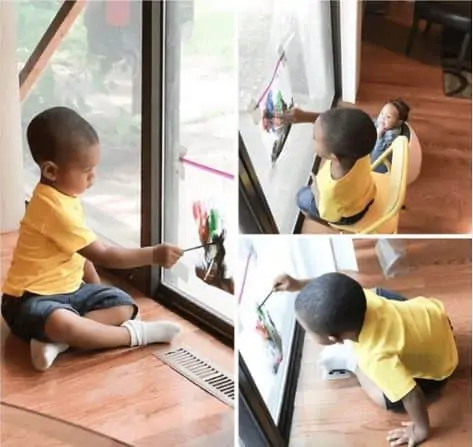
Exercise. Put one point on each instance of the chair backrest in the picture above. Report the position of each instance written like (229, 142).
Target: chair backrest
(397, 185)
(406, 130)
(415, 156)
(398, 175)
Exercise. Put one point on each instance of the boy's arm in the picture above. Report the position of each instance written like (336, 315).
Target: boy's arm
(416, 408)
(126, 258)
(90, 274)
(391, 376)
(286, 283)
(299, 116)
(417, 431)
(307, 117)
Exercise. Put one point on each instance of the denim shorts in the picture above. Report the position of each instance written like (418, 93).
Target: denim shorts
(26, 316)
(428, 386)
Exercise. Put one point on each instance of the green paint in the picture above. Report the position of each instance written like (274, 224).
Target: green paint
(279, 101)
(213, 222)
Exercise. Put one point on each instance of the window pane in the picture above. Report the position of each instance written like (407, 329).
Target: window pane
(305, 75)
(97, 72)
(200, 136)
(33, 18)
(260, 260)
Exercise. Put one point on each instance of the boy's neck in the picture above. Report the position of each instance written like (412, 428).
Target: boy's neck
(46, 182)
(340, 168)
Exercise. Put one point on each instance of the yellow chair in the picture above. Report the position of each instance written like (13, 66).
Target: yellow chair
(383, 215)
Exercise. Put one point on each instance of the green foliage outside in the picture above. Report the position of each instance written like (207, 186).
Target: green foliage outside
(212, 39)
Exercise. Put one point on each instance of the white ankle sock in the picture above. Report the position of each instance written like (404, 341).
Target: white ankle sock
(339, 356)
(44, 354)
(145, 332)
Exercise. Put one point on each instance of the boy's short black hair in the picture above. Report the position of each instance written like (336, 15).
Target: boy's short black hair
(349, 133)
(57, 132)
(402, 108)
(332, 304)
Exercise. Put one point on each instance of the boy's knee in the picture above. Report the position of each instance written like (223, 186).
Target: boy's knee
(123, 313)
(303, 197)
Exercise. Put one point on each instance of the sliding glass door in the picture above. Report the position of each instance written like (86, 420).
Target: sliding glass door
(157, 80)
(285, 60)
(268, 343)
(198, 163)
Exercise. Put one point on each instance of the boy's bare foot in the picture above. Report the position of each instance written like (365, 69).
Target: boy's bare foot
(146, 332)
(44, 354)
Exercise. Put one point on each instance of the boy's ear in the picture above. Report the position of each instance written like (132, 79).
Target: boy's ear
(49, 170)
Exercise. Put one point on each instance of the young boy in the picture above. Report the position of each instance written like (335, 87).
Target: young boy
(388, 127)
(344, 189)
(45, 300)
(400, 350)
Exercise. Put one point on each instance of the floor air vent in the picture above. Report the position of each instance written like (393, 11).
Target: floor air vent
(200, 372)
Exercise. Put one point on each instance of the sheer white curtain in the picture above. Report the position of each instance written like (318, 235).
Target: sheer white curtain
(303, 27)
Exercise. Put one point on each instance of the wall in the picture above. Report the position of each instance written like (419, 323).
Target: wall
(12, 195)
(351, 14)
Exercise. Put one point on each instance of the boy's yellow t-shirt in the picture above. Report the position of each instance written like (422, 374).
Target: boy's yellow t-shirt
(45, 260)
(347, 196)
(401, 341)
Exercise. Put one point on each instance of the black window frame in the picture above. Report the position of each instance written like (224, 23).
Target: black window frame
(257, 416)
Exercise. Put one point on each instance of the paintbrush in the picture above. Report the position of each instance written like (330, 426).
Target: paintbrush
(200, 246)
(267, 296)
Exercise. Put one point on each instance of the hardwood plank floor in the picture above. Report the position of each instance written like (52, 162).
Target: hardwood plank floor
(339, 414)
(439, 201)
(125, 394)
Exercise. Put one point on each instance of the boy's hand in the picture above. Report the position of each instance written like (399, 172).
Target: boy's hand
(416, 431)
(297, 116)
(380, 130)
(285, 283)
(409, 434)
(166, 255)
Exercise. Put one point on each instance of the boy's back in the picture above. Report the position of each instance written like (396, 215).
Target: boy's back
(347, 196)
(404, 340)
(344, 188)
(45, 261)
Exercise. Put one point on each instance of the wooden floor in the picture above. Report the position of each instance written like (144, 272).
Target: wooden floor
(339, 414)
(125, 394)
(439, 201)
